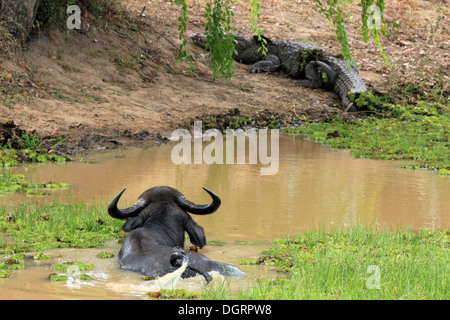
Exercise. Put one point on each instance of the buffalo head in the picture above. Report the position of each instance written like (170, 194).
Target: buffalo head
(156, 224)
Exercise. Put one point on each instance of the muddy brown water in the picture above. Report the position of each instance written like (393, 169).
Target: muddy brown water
(112, 283)
(315, 186)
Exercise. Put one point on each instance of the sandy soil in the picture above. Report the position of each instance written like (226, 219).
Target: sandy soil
(109, 85)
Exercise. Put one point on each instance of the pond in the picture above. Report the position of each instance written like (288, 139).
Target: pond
(315, 186)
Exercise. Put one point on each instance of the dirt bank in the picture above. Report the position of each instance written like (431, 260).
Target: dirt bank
(105, 86)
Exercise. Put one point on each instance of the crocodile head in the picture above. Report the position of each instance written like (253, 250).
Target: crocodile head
(246, 49)
(199, 39)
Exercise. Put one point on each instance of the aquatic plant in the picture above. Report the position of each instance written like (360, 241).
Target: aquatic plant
(40, 256)
(73, 266)
(5, 273)
(18, 146)
(54, 277)
(8, 158)
(104, 255)
(85, 277)
(9, 264)
(417, 132)
(17, 183)
(31, 155)
(11, 157)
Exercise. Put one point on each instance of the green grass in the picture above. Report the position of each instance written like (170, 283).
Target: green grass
(320, 264)
(11, 157)
(174, 294)
(417, 132)
(36, 227)
(342, 264)
(8, 157)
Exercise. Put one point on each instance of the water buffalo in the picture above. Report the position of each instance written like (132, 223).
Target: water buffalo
(156, 224)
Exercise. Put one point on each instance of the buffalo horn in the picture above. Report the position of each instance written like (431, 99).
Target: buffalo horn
(130, 212)
(191, 207)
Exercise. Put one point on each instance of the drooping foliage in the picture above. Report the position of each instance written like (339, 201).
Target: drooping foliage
(219, 40)
(219, 24)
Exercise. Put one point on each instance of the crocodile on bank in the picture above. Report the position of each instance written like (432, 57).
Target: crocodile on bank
(314, 66)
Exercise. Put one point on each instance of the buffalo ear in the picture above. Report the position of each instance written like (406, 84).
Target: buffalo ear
(132, 223)
(196, 233)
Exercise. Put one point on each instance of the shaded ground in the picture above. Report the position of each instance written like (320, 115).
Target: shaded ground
(106, 86)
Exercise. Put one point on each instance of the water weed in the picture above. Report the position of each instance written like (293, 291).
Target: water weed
(105, 255)
(17, 183)
(71, 270)
(54, 277)
(12, 157)
(411, 132)
(9, 264)
(73, 266)
(19, 146)
(8, 158)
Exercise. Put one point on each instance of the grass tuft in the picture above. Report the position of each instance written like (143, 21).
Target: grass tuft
(411, 132)
(36, 227)
(356, 262)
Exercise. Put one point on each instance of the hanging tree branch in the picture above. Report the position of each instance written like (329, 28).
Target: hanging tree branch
(371, 17)
(219, 25)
